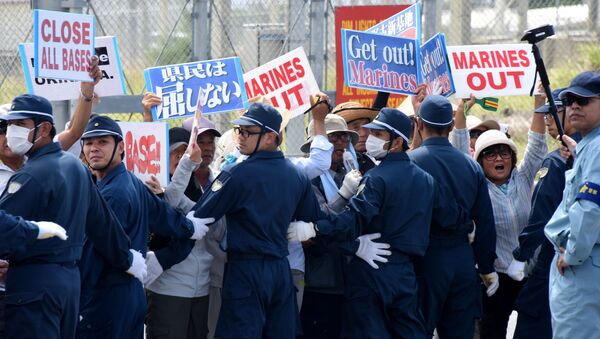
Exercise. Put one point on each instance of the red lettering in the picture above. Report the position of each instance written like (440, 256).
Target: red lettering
(143, 158)
(512, 57)
(45, 36)
(524, 55)
(256, 88)
(85, 33)
(76, 32)
(129, 163)
(485, 62)
(289, 72)
(474, 62)
(264, 80)
(250, 95)
(296, 92)
(65, 59)
(516, 75)
(356, 74)
(298, 66)
(460, 60)
(502, 83)
(65, 32)
(471, 81)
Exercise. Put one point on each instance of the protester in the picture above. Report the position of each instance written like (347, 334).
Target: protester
(510, 188)
(115, 302)
(61, 190)
(324, 278)
(258, 294)
(574, 229)
(356, 116)
(532, 303)
(448, 279)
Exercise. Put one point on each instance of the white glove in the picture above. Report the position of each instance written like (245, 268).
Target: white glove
(48, 229)
(371, 251)
(490, 281)
(200, 227)
(154, 268)
(516, 270)
(471, 236)
(350, 184)
(138, 266)
(301, 231)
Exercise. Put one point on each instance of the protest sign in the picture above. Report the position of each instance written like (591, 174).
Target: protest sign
(112, 83)
(287, 82)
(405, 24)
(220, 82)
(359, 18)
(63, 43)
(380, 62)
(492, 70)
(147, 149)
(435, 69)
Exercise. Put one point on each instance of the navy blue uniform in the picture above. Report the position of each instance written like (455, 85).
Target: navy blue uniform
(532, 302)
(395, 199)
(449, 281)
(259, 197)
(115, 306)
(43, 283)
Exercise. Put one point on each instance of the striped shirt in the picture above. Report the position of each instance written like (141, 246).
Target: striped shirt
(512, 206)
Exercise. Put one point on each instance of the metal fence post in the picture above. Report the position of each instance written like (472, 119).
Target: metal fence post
(200, 30)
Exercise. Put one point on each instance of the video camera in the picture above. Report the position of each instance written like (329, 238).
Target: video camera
(538, 34)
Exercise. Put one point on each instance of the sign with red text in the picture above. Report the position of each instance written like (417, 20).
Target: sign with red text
(113, 82)
(359, 18)
(380, 62)
(492, 70)
(287, 81)
(63, 43)
(147, 150)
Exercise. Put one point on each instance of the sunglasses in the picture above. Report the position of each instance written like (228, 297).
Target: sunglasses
(344, 137)
(245, 133)
(490, 155)
(475, 134)
(581, 101)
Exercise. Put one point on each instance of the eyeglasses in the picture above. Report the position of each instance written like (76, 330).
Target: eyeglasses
(334, 137)
(549, 117)
(244, 132)
(581, 101)
(474, 134)
(490, 155)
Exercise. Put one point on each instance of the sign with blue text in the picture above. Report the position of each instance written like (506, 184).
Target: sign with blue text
(405, 24)
(435, 69)
(380, 62)
(220, 82)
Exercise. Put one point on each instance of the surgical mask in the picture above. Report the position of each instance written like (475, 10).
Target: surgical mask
(17, 138)
(375, 146)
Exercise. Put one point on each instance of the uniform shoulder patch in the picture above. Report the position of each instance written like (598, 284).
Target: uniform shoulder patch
(13, 187)
(216, 185)
(589, 191)
(542, 172)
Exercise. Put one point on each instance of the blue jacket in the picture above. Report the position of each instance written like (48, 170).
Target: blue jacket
(55, 186)
(139, 210)
(547, 195)
(463, 178)
(395, 199)
(259, 197)
(15, 234)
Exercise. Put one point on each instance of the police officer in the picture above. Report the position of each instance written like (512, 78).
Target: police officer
(532, 302)
(43, 281)
(574, 228)
(449, 283)
(115, 305)
(259, 197)
(381, 302)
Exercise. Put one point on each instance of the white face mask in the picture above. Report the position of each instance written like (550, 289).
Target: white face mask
(17, 138)
(375, 146)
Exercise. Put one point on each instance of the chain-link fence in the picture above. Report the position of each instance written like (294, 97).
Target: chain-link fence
(161, 32)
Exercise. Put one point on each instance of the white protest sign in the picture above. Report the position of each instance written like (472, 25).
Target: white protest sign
(287, 81)
(492, 70)
(63, 43)
(147, 149)
(52, 89)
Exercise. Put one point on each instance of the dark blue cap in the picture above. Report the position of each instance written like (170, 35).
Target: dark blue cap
(100, 126)
(393, 121)
(178, 135)
(586, 84)
(262, 115)
(29, 106)
(557, 101)
(436, 111)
